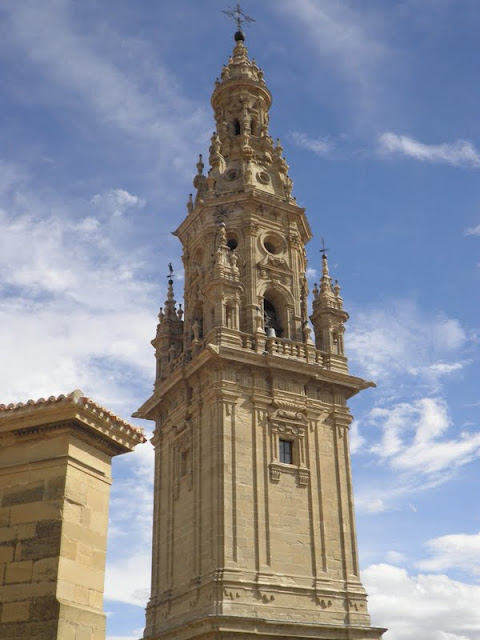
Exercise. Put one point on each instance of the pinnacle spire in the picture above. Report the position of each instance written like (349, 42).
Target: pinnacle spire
(170, 306)
(326, 280)
(328, 295)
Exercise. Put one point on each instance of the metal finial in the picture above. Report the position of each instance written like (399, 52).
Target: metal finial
(324, 249)
(239, 17)
(170, 270)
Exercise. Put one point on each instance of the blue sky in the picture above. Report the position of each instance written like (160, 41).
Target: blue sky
(105, 107)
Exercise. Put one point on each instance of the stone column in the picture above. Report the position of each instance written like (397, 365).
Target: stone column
(55, 476)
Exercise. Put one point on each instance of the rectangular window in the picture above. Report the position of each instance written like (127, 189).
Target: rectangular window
(286, 451)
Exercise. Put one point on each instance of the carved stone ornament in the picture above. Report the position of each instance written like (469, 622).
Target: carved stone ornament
(274, 268)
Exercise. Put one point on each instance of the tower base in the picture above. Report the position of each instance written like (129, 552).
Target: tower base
(235, 628)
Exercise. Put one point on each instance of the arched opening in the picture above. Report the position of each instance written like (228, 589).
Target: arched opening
(271, 318)
(232, 244)
(236, 127)
(253, 127)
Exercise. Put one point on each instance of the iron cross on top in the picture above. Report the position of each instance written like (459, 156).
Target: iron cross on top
(238, 15)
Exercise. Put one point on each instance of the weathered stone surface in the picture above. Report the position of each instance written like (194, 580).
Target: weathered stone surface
(7, 551)
(45, 544)
(45, 608)
(53, 484)
(23, 496)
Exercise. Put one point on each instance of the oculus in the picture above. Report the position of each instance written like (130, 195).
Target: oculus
(263, 177)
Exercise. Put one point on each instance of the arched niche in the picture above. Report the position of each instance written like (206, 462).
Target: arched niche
(197, 322)
(198, 256)
(275, 302)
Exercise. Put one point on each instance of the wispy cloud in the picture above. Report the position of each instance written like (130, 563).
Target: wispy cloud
(341, 33)
(320, 146)
(398, 338)
(455, 551)
(460, 153)
(114, 80)
(473, 231)
(116, 201)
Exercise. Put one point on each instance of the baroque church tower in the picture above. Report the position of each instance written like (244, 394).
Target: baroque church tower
(254, 529)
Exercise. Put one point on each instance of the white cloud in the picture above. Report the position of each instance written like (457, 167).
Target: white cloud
(455, 551)
(473, 231)
(116, 201)
(440, 368)
(375, 505)
(460, 153)
(414, 439)
(128, 580)
(431, 607)
(320, 146)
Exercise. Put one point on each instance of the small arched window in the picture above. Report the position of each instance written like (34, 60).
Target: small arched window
(236, 127)
(253, 127)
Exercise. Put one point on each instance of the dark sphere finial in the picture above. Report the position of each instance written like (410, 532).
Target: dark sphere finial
(239, 36)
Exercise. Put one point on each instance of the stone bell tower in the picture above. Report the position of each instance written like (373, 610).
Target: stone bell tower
(254, 528)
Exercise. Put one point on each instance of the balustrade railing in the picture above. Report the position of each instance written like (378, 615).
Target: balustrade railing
(262, 344)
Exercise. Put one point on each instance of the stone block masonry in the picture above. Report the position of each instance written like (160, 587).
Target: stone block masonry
(55, 476)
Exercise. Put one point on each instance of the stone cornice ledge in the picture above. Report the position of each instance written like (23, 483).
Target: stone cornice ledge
(217, 626)
(75, 412)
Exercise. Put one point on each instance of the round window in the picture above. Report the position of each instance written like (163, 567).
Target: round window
(273, 244)
(263, 177)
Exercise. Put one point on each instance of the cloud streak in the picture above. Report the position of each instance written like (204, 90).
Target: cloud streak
(473, 231)
(340, 33)
(114, 79)
(460, 153)
(319, 146)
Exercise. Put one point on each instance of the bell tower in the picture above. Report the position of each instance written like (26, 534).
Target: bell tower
(254, 529)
